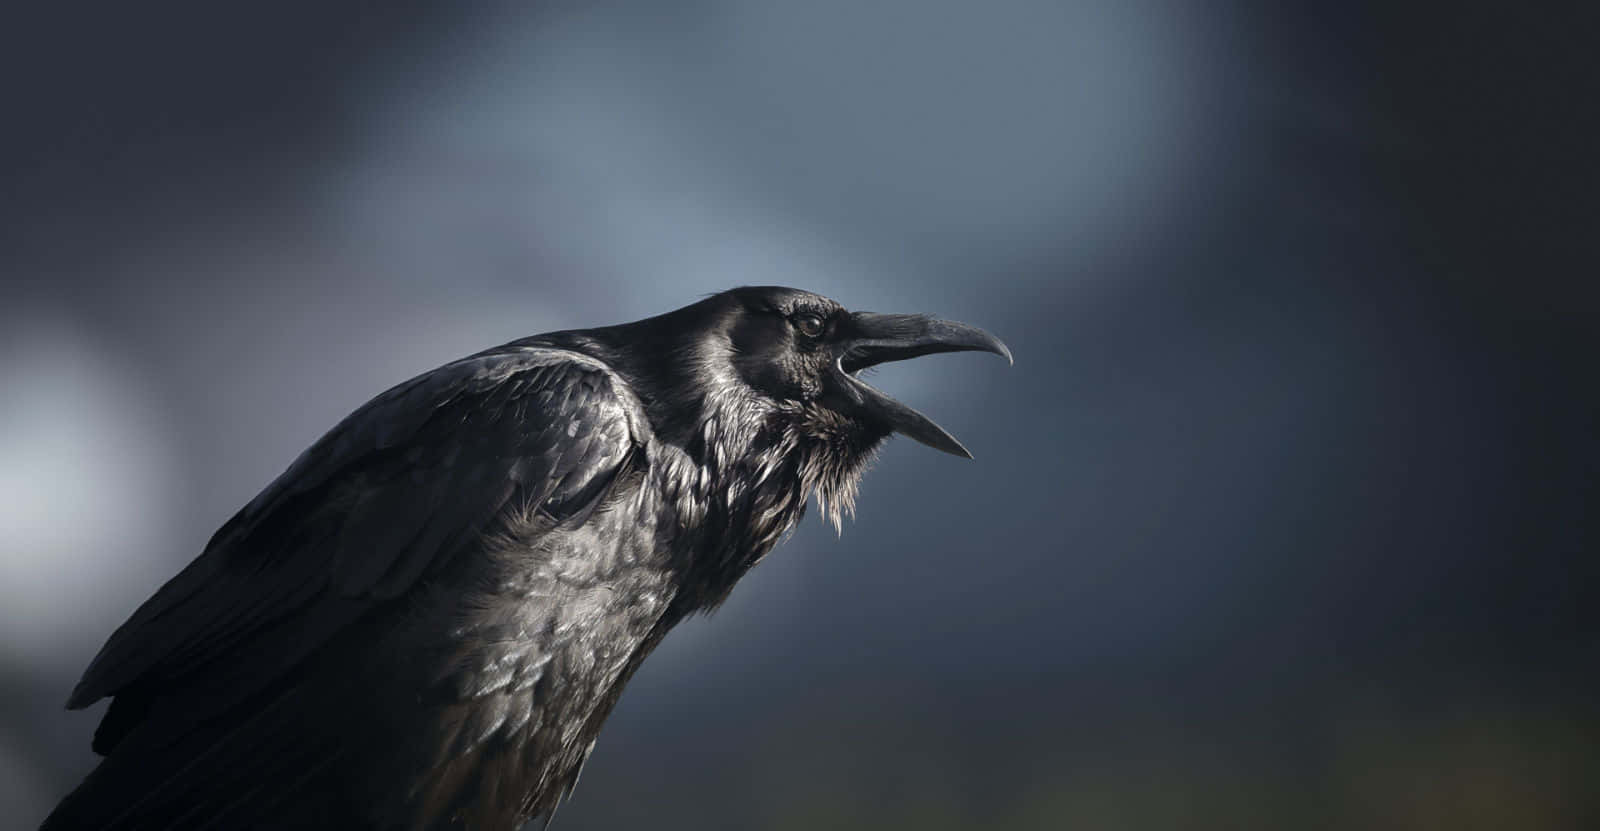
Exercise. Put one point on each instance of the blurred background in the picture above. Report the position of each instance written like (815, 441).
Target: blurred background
(1285, 517)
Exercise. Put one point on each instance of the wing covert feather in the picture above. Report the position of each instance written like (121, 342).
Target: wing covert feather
(375, 505)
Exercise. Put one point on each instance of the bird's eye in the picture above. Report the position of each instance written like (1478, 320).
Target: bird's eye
(809, 325)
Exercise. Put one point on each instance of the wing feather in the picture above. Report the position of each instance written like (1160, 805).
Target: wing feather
(359, 519)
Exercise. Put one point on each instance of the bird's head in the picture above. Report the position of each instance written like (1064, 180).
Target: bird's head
(805, 353)
(762, 384)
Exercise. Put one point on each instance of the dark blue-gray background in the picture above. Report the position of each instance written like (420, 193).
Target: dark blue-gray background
(1283, 518)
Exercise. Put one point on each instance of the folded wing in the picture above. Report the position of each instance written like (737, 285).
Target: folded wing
(383, 500)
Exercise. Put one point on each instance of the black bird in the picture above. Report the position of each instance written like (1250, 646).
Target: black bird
(424, 621)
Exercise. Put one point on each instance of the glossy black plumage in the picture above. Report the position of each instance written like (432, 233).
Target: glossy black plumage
(424, 621)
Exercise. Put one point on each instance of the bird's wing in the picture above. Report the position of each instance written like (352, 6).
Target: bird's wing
(380, 501)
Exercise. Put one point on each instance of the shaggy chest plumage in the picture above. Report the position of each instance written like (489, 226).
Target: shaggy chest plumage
(741, 485)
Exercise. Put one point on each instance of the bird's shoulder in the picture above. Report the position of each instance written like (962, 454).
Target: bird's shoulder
(514, 398)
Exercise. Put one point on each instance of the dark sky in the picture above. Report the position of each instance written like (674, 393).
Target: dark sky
(1284, 517)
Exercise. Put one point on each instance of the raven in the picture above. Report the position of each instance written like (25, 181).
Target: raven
(423, 622)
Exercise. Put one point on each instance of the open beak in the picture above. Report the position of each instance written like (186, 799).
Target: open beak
(871, 339)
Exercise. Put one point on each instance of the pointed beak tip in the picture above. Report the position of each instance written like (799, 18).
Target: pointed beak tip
(987, 342)
(952, 446)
